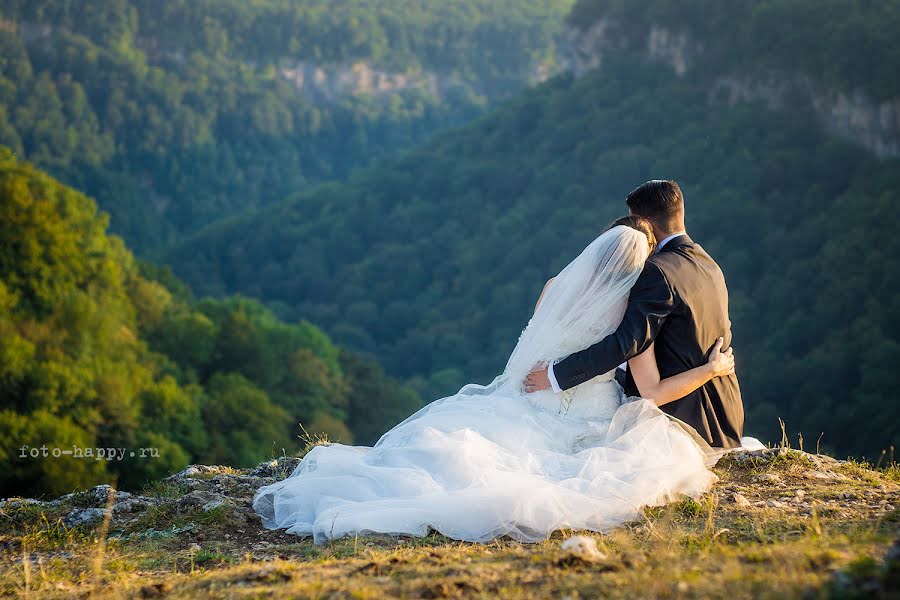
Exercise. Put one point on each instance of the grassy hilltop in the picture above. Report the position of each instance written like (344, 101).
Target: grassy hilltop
(779, 524)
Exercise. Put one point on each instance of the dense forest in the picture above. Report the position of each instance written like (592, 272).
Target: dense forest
(98, 350)
(432, 261)
(175, 114)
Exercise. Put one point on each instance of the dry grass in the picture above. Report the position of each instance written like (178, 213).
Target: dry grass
(802, 536)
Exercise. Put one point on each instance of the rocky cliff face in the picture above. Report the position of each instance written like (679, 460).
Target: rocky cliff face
(849, 115)
(329, 83)
(854, 117)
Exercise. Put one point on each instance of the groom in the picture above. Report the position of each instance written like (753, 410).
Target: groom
(680, 301)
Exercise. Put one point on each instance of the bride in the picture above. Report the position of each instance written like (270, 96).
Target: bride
(491, 460)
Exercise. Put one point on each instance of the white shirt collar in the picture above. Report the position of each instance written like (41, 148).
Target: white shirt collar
(669, 239)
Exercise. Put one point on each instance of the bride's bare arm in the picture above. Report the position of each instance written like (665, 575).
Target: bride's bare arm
(646, 374)
(543, 292)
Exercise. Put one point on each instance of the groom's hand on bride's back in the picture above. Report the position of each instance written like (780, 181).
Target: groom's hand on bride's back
(538, 379)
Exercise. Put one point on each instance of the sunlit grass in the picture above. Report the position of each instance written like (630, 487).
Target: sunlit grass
(703, 547)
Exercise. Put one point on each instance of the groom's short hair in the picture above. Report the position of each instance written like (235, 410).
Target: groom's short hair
(660, 201)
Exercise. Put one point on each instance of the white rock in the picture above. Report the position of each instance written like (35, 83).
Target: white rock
(191, 471)
(80, 516)
(583, 547)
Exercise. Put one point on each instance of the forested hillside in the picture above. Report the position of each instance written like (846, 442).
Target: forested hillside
(845, 45)
(98, 351)
(176, 114)
(432, 261)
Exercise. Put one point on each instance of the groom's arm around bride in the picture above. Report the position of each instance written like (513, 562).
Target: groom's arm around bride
(680, 302)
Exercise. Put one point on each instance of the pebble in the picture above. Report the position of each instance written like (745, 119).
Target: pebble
(769, 478)
(741, 500)
(213, 504)
(826, 475)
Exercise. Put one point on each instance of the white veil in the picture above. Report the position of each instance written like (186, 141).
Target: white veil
(582, 305)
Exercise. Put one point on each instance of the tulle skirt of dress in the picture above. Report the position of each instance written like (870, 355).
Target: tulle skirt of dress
(475, 467)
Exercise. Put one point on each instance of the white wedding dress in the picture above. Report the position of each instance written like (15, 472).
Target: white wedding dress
(491, 460)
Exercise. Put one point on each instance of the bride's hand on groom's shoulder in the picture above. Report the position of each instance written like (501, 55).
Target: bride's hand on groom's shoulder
(721, 363)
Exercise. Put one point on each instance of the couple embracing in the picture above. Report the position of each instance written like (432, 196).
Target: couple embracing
(555, 441)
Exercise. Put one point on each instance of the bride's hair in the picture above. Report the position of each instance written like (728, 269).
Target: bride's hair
(641, 224)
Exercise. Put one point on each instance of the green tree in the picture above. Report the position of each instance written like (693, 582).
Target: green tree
(241, 422)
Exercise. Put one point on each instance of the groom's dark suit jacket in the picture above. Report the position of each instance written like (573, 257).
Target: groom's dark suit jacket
(680, 301)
